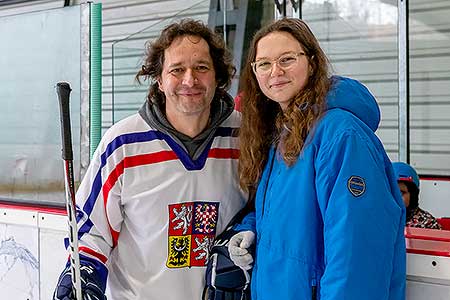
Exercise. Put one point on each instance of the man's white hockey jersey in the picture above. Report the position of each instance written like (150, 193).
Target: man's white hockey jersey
(149, 212)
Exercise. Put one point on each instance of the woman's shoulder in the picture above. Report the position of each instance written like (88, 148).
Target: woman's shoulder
(336, 123)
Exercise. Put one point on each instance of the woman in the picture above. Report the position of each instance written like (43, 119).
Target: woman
(329, 217)
(408, 183)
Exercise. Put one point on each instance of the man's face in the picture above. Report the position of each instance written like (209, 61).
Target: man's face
(405, 193)
(188, 78)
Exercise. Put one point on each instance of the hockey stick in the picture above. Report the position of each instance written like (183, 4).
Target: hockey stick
(63, 90)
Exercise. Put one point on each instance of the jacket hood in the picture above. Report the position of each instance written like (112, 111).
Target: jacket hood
(353, 96)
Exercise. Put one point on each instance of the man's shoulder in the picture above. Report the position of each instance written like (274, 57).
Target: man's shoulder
(129, 125)
(233, 120)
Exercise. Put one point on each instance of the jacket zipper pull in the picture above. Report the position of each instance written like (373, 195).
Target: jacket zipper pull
(314, 293)
(314, 289)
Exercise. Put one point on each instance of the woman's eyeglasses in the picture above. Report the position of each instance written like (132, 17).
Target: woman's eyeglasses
(285, 61)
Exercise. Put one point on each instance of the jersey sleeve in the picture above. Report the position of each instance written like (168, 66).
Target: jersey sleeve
(363, 229)
(98, 199)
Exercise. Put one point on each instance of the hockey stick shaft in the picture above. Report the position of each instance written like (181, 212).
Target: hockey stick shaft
(63, 91)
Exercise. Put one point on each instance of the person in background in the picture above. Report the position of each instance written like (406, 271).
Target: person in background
(237, 101)
(162, 182)
(329, 216)
(408, 182)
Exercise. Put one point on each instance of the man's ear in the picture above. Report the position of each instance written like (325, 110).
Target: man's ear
(160, 85)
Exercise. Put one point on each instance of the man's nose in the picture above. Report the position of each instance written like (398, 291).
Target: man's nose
(189, 78)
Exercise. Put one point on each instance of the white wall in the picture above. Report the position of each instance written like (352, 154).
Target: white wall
(434, 197)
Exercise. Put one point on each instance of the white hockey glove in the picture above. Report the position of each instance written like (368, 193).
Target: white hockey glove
(238, 248)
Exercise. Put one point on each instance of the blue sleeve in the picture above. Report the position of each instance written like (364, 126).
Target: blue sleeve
(248, 223)
(363, 219)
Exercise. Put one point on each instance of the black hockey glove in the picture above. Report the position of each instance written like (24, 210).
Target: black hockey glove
(93, 283)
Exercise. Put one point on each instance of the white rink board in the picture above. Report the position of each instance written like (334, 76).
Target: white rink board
(19, 265)
(32, 253)
(53, 256)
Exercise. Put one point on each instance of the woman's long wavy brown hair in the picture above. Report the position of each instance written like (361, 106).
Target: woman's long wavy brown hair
(263, 122)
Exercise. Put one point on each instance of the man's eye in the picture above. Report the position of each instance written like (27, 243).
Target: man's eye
(202, 68)
(176, 71)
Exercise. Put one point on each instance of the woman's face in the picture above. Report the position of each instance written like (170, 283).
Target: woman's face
(281, 84)
(405, 193)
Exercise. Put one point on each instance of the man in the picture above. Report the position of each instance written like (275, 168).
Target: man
(163, 182)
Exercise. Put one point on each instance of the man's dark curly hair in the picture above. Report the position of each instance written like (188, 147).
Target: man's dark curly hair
(154, 60)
